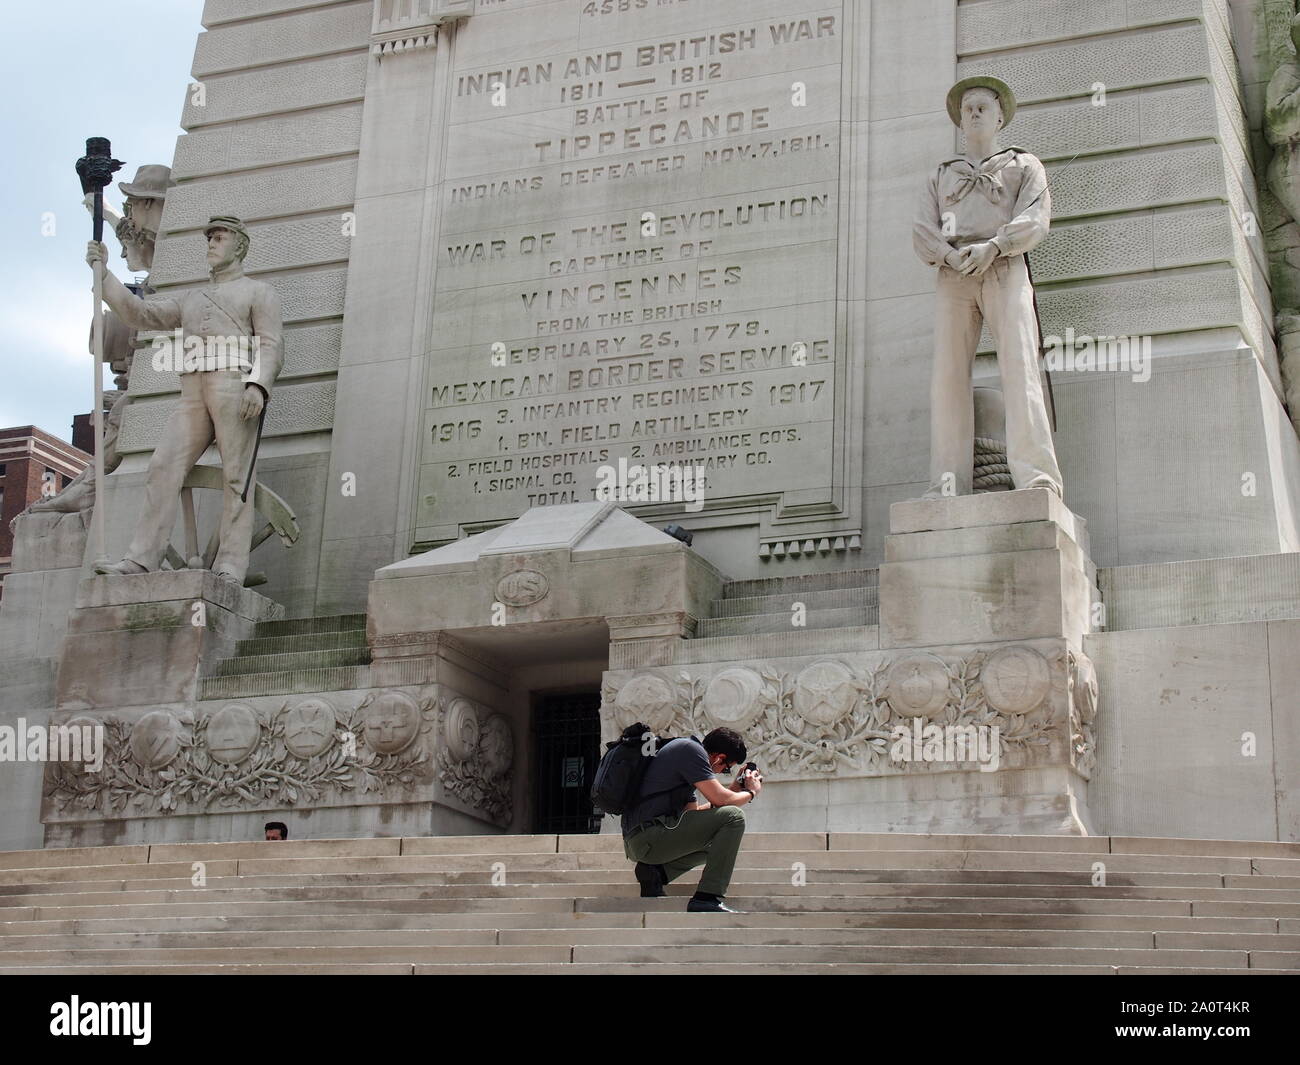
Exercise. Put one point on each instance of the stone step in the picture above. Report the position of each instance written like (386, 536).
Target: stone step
(831, 969)
(855, 865)
(701, 934)
(809, 582)
(651, 952)
(825, 867)
(641, 919)
(312, 641)
(68, 857)
(670, 908)
(28, 894)
(631, 969)
(301, 626)
(613, 843)
(583, 885)
(741, 953)
(759, 898)
(294, 660)
(783, 604)
(500, 845)
(286, 682)
(750, 624)
(915, 904)
(305, 969)
(785, 644)
(869, 902)
(586, 883)
(272, 954)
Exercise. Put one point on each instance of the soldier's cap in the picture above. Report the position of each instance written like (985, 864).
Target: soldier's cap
(226, 221)
(151, 182)
(982, 81)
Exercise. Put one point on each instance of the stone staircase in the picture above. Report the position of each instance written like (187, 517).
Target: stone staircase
(754, 618)
(295, 655)
(843, 903)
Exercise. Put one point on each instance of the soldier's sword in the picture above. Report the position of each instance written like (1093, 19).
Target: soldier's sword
(1042, 350)
(261, 418)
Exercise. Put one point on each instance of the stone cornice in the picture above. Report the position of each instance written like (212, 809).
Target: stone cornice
(412, 25)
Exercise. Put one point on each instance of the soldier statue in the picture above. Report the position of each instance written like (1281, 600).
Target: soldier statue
(980, 213)
(232, 333)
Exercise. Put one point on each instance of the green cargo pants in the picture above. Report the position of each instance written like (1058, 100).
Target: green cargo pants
(680, 842)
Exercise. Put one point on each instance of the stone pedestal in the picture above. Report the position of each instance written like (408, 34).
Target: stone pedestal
(47, 556)
(145, 638)
(1008, 573)
(49, 540)
(972, 569)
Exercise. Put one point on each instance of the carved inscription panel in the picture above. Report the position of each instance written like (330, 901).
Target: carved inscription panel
(637, 256)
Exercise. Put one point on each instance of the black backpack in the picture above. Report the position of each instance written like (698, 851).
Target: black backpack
(617, 786)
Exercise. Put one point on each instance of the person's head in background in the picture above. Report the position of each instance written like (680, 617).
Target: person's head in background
(276, 830)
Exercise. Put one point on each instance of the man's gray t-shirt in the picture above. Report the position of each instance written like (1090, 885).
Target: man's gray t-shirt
(678, 766)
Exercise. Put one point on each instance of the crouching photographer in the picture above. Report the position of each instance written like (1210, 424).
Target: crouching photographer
(666, 831)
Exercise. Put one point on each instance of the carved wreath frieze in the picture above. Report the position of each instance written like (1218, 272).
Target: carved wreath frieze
(300, 753)
(832, 717)
(475, 758)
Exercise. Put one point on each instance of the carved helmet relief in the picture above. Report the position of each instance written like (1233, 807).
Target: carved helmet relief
(731, 699)
(824, 693)
(645, 698)
(392, 722)
(497, 745)
(917, 685)
(1016, 679)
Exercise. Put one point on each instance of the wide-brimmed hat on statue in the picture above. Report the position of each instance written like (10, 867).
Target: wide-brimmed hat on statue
(225, 221)
(982, 81)
(151, 182)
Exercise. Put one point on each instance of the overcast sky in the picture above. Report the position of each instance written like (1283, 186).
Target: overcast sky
(74, 70)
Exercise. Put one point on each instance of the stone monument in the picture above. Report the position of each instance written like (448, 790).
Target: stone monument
(530, 248)
(225, 384)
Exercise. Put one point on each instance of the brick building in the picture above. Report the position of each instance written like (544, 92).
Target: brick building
(28, 458)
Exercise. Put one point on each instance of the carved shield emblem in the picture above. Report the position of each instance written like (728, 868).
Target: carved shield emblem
(232, 733)
(1015, 679)
(392, 722)
(824, 693)
(155, 739)
(523, 587)
(732, 698)
(917, 685)
(645, 698)
(309, 728)
(462, 730)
